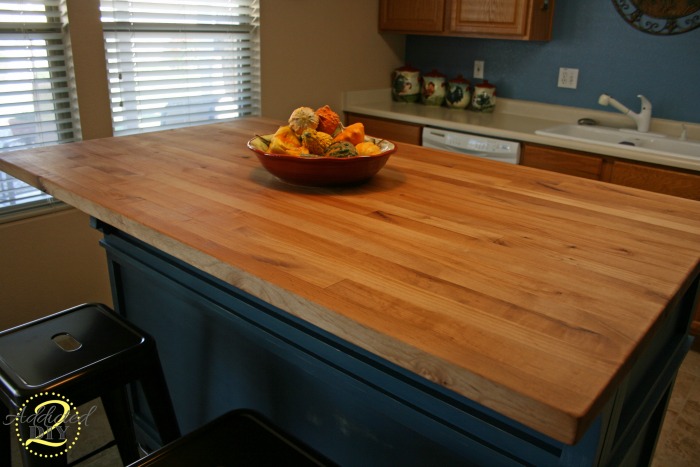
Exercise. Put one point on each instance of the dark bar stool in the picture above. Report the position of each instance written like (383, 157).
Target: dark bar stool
(78, 355)
(238, 438)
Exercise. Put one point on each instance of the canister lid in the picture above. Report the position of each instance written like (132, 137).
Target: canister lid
(485, 84)
(408, 68)
(459, 79)
(434, 74)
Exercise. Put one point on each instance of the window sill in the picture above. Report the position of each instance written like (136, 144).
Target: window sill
(28, 211)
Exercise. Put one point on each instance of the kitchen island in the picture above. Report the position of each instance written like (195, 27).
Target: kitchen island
(450, 310)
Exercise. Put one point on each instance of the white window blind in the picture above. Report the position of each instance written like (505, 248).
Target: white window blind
(35, 108)
(175, 63)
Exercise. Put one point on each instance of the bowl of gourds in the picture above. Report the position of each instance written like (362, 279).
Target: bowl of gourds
(315, 149)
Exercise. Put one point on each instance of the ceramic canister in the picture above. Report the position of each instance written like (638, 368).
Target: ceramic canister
(434, 88)
(405, 84)
(484, 98)
(458, 93)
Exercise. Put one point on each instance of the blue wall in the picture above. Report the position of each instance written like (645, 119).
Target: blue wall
(612, 57)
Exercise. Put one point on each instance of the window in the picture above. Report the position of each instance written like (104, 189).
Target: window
(35, 108)
(175, 63)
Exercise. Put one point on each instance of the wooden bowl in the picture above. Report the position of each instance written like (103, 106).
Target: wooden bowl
(322, 171)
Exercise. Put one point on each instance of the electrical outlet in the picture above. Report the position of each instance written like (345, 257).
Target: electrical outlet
(479, 69)
(568, 78)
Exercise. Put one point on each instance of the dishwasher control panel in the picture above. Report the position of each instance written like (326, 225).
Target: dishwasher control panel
(475, 145)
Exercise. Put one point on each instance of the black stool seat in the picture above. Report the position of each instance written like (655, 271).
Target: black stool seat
(238, 438)
(84, 353)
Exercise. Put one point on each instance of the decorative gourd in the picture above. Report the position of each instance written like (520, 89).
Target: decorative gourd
(285, 141)
(341, 149)
(367, 148)
(354, 134)
(303, 118)
(328, 120)
(316, 142)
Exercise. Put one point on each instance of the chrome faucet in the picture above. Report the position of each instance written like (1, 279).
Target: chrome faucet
(642, 119)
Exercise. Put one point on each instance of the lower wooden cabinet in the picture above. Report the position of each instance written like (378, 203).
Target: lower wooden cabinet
(650, 177)
(657, 179)
(575, 163)
(397, 132)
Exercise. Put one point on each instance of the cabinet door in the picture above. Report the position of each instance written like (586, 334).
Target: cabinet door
(422, 16)
(657, 179)
(397, 132)
(513, 19)
(562, 161)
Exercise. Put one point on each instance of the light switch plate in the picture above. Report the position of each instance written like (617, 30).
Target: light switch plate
(479, 69)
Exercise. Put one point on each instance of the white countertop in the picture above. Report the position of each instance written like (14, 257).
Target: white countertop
(518, 120)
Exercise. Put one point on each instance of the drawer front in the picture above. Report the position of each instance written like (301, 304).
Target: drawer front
(656, 179)
(566, 162)
(393, 131)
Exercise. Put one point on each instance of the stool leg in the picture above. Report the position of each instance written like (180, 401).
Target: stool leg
(5, 440)
(28, 459)
(155, 390)
(32, 460)
(118, 410)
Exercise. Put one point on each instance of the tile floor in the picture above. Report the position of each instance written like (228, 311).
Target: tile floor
(679, 442)
(678, 446)
(95, 433)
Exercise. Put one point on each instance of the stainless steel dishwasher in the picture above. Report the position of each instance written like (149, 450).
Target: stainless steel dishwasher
(473, 145)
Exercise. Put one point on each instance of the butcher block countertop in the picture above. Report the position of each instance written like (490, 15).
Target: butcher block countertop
(527, 291)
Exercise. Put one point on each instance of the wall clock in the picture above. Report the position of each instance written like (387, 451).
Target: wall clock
(662, 17)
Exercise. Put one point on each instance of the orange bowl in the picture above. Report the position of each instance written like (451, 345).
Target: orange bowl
(322, 171)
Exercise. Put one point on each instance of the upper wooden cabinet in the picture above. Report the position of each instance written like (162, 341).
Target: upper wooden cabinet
(423, 16)
(518, 19)
(502, 19)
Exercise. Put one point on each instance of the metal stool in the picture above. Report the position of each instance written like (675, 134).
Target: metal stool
(75, 356)
(238, 438)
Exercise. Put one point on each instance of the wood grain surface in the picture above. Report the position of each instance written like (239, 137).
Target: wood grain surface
(527, 291)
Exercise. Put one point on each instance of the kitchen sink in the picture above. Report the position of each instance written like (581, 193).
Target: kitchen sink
(653, 143)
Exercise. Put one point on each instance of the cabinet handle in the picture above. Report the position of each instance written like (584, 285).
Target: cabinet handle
(545, 5)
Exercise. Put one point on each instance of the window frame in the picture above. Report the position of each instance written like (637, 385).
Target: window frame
(83, 39)
(17, 198)
(130, 106)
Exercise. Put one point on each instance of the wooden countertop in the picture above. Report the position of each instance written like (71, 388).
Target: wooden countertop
(527, 291)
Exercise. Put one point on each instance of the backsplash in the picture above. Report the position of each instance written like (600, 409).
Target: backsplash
(612, 57)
